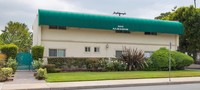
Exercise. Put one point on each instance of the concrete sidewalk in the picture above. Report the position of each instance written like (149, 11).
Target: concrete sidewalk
(100, 84)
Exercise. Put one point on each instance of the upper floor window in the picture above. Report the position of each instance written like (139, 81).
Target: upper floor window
(122, 31)
(150, 33)
(57, 52)
(87, 49)
(58, 27)
(53, 27)
(96, 49)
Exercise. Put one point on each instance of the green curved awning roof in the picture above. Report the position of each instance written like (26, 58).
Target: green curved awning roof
(80, 20)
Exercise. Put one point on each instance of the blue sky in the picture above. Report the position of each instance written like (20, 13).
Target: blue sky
(25, 11)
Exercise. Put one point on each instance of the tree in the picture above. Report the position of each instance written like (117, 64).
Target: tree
(17, 33)
(190, 18)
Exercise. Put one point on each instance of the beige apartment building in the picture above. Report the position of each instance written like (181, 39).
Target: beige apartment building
(69, 34)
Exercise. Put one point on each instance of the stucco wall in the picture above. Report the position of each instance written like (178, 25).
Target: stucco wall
(74, 41)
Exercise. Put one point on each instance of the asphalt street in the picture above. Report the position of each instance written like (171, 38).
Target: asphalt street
(158, 87)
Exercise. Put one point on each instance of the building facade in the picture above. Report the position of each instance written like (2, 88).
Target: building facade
(67, 34)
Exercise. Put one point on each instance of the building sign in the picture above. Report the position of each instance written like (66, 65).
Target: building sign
(121, 27)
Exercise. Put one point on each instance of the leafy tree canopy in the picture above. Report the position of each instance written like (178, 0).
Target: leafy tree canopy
(17, 33)
(190, 17)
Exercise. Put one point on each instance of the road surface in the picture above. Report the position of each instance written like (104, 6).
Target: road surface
(195, 86)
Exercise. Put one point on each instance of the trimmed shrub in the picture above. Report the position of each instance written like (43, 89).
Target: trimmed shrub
(12, 63)
(182, 60)
(87, 64)
(5, 73)
(37, 64)
(51, 68)
(10, 50)
(160, 60)
(41, 74)
(37, 52)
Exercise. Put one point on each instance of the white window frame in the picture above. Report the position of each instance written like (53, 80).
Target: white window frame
(57, 52)
(87, 49)
(98, 49)
(149, 54)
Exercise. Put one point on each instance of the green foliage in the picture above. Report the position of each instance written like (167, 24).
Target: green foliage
(116, 66)
(134, 58)
(12, 63)
(160, 60)
(41, 74)
(190, 18)
(18, 34)
(87, 64)
(37, 52)
(51, 68)
(37, 64)
(10, 50)
(182, 60)
(5, 73)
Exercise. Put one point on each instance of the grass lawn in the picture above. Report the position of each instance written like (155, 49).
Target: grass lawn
(92, 76)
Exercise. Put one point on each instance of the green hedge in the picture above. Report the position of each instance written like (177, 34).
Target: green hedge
(10, 50)
(159, 60)
(37, 52)
(182, 60)
(87, 64)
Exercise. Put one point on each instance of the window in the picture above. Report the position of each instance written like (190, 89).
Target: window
(58, 27)
(96, 49)
(53, 27)
(57, 52)
(62, 27)
(147, 54)
(118, 54)
(150, 33)
(122, 31)
(87, 49)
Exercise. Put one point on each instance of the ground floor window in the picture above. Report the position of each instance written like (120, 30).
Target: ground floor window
(147, 54)
(57, 52)
(87, 49)
(118, 54)
(96, 49)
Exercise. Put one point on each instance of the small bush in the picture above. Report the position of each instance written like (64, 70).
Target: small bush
(12, 63)
(51, 68)
(5, 73)
(2, 60)
(116, 66)
(41, 74)
(10, 50)
(37, 52)
(134, 58)
(182, 60)
(37, 64)
(2, 56)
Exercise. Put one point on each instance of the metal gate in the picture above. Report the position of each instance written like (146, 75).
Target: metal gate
(24, 60)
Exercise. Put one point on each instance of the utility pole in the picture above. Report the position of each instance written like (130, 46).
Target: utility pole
(170, 47)
(195, 3)
(119, 13)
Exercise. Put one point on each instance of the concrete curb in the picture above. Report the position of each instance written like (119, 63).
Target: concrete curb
(100, 84)
(122, 85)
